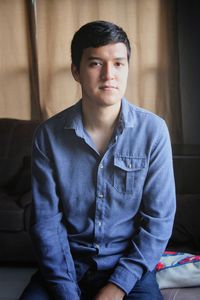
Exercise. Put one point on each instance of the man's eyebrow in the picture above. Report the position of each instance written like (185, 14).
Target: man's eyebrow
(99, 58)
(121, 58)
(94, 57)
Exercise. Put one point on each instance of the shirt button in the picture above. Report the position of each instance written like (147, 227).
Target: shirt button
(130, 166)
(99, 223)
(101, 195)
(101, 166)
(96, 246)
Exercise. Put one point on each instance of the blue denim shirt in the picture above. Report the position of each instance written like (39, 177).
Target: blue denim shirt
(116, 209)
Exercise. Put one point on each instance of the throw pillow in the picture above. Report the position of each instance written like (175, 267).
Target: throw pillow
(176, 270)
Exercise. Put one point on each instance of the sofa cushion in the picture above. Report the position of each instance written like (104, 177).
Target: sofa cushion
(186, 228)
(15, 175)
(186, 161)
(9, 169)
(11, 214)
(16, 137)
(16, 249)
(15, 148)
(21, 183)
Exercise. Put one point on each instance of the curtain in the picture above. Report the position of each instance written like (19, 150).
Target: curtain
(35, 76)
(14, 61)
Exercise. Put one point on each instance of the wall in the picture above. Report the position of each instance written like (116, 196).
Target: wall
(188, 13)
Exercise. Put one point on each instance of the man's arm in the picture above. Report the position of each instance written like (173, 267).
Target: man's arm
(156, 214)
(48, 231)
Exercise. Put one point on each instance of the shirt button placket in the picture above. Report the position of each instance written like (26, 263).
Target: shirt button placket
(99, 206)
(101, 166)
(101, 195)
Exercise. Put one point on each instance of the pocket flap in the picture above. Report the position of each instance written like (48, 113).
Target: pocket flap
(129, 163)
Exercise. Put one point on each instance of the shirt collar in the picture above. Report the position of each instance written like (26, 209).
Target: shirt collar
(74, 118)
(126, 118)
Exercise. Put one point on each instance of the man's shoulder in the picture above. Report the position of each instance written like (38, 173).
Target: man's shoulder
(61, 118)
(139, 114)
(147, 125)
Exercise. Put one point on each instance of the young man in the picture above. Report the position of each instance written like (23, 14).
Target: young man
(103, 185)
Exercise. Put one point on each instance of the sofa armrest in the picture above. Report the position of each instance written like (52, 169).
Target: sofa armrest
(25, 200)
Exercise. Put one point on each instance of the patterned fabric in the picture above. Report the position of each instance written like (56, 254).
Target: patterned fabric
(176, 269)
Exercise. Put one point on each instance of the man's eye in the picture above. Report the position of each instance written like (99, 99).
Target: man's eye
(95, 64)
(118, 64)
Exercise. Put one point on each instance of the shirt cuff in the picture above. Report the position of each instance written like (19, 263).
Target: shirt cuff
(124, 279)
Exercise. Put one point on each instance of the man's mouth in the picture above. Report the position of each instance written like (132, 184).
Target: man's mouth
(108, 87)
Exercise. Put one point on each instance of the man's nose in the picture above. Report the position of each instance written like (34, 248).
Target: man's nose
(107, 72)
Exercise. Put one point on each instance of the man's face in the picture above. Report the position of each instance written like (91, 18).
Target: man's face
(103, 74)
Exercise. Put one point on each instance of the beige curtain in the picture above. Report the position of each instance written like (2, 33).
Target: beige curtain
(14, 61)
(36, 81)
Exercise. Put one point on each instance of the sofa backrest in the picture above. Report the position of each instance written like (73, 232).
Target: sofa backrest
(15, 147)
(186, 230)
(186, 159)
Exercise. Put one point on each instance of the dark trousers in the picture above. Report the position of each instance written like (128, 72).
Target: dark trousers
(145, 289)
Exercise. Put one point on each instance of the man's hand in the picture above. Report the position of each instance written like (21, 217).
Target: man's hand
(110, 292)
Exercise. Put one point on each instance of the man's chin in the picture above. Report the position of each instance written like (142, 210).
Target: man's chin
(106, 102)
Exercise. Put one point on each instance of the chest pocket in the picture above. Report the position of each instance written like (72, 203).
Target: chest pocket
(128, 173)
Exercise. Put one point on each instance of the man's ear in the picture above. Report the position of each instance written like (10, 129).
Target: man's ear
(75, 72)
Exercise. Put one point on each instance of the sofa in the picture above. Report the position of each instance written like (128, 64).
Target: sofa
(15, 190)
(15, 203)
(179, 279)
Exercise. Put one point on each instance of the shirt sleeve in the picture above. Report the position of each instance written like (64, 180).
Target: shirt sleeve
(156, 216)
(48, 232)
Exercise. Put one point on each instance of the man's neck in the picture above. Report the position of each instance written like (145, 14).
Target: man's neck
(96, 117)
(100, 123)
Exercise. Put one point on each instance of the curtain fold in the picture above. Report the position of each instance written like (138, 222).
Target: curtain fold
(39, 71)
(36, 111)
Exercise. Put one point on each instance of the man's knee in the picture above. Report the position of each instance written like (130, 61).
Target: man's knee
(36, 289)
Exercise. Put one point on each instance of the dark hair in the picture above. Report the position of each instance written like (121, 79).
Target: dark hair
(96, 34)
